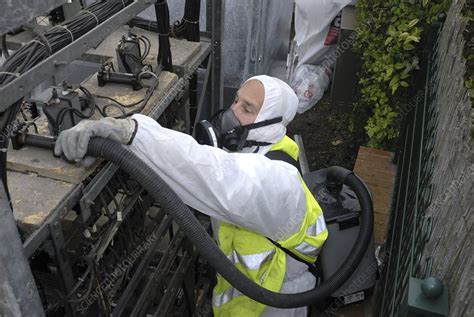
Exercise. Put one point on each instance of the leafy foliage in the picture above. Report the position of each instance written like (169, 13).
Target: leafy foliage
(468, 52)
(389, 33)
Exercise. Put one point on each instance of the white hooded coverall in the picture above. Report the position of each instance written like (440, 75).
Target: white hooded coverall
(244, 189)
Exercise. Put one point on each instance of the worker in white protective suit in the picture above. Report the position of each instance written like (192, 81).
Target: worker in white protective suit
(264, 218)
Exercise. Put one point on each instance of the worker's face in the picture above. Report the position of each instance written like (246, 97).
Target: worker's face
(248, 101)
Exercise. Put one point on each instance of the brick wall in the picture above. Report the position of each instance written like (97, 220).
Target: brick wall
(375, 167)
(450, 246)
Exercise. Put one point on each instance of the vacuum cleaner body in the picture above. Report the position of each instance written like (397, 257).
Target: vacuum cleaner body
(341, 211)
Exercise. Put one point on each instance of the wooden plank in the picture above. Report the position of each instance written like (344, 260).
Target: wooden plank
(34, 197)
(181, 50)
(55, 176)
(126, 95)
(42, 162)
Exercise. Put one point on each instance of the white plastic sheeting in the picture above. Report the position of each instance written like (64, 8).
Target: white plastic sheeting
(316, 28)
(256, 33)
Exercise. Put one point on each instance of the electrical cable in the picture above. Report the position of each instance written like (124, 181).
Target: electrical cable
(187, 27)
(164, 51)
(72, 291)
(109, 191)
(149, 92)
(118, 102)
(33, 52)
(112, 105)
(89, 96)
(191, 23)
(88, 290)
(4, 48)
(72, 111)
(177, 29)
(75, 112)
(190, 20)
(147, 45)
(144, 24)
(56, 38)
(92, 101)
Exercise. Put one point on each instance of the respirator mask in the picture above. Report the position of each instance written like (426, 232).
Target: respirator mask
(225, 131)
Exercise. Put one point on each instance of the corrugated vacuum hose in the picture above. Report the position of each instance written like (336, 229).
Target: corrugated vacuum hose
(209, 250)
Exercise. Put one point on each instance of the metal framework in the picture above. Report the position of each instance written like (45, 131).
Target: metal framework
(217, 80)
(17, 288)
(174, 266)
(21, 86)
(409, 227)
(18, 12)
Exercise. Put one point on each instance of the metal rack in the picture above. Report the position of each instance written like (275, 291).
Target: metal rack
(174, 264)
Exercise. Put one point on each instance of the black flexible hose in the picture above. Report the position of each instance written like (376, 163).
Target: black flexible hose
(206, 246)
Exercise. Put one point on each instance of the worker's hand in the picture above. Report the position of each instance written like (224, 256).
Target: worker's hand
(74, 141)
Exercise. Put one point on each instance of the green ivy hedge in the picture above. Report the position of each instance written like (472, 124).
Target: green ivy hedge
(468, 53)
(388, 39)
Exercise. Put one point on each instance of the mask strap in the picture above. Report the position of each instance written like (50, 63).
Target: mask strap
(218, 113)
(249, 143)
(263, 123)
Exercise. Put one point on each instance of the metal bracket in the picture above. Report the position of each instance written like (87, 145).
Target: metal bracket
(94, 188)
(35, 239)
(64, 267)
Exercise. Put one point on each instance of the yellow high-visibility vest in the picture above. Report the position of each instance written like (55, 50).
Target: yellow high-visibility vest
(259, 259)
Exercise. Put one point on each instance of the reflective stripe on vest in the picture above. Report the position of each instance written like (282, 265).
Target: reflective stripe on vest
(313, 230)
(227, 295)
(259, 259)
(251, 261)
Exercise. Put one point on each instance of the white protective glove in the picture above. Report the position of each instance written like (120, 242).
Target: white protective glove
(74, 141)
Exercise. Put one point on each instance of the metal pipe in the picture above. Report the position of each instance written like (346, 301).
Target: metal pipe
(217, 86)
(302, 155)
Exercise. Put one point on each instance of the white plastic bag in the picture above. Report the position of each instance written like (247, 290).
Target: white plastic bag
(309, 83)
